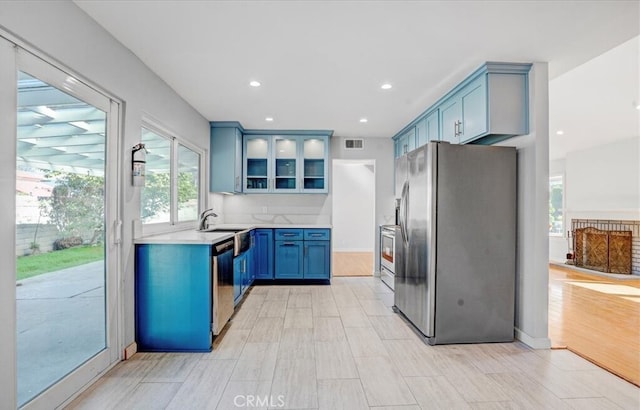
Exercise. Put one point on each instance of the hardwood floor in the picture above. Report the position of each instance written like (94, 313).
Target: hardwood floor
(597, 317)
(342, 347)
(352, 264)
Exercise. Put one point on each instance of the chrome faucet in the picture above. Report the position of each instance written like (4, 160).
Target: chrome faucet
(202, 224)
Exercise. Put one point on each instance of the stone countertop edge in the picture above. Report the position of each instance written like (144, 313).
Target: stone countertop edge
(191, 236)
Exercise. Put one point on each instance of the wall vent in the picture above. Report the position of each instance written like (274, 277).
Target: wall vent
(351, 143)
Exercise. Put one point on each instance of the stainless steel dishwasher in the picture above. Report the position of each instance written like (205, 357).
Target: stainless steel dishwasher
(222, 292)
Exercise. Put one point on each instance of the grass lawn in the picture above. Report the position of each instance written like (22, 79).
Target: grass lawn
(34, 265)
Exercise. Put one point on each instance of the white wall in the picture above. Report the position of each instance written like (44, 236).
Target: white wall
(353, 188)
(532, 271)
(604, 182)
(381, 151)
(68, 36)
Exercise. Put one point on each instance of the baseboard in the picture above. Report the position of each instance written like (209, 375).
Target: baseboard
(130, 350)
(533, 342)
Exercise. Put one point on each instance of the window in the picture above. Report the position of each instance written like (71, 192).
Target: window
(171, 193)
(556, 209)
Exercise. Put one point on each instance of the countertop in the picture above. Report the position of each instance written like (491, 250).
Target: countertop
(192, 236)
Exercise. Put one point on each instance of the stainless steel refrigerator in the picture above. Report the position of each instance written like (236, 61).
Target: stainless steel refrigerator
(455, 276)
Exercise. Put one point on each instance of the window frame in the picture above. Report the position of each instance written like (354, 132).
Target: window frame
(175, 141)
(561, 178)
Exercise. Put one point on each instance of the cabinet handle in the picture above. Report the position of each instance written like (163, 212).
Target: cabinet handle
(289, 234)
(316, 234)
(289, 244)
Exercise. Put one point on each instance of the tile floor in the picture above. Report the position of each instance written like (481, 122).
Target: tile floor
(342, 347)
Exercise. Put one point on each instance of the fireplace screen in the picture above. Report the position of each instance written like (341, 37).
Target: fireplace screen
(605, 251)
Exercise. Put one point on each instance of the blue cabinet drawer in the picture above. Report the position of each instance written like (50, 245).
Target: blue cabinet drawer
(288, 234)
(317, 234)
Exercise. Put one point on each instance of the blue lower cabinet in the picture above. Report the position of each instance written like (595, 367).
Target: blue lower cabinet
(317, 259)
(263, 254)
(288, 259)
(173, 297)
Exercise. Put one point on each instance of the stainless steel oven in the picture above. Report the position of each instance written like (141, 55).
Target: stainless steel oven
(388, 254)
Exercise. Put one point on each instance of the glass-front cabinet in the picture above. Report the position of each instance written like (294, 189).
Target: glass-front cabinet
(286, 163)
(314, 157)
(257, 150)
(286, 170)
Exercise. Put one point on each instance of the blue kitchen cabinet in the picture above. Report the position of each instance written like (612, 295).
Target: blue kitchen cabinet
(257, 164)
(263, 254)
(226, 157)
(490, 105)
(432, 126)
(173, 297)
(464, 115)
(302, 253)
(317, 259)
(288, 254)
(286, 163)
(406, 142)
(314, 160)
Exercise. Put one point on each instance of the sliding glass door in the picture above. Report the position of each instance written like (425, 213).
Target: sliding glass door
(66, 211)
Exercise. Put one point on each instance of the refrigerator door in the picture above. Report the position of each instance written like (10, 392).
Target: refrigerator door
(414, 293)
(476, 244)
(402, 173)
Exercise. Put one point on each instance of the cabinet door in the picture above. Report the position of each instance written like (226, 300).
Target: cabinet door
(315, 155)
(473, 100)
(257, 175)
(450, 114)
(288, 259)
(237, 177)
(317, 259)
(421, 133)
(285, 164)
(263, 254)
(432, 125)
(225, 159)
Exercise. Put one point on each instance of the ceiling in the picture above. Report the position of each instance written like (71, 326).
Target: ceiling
(321, 63)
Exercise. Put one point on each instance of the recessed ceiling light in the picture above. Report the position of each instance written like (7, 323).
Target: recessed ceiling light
(386, 86)
(269, 119)
(560, 132)
(638, 107)
(363, 120)
(254, 83)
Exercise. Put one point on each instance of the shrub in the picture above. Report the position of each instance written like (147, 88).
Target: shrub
(65, 243)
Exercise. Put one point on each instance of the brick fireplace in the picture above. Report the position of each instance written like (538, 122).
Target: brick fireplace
(607, 245)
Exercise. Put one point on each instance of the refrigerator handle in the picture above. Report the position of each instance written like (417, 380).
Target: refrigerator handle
(404, 199)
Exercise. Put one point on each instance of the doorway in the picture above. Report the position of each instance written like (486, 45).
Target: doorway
(353, 219)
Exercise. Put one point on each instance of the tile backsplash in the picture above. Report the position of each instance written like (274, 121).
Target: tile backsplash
(276, 209)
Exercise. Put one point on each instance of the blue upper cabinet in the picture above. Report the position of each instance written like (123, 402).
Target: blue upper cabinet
(286, 163)
(226, 157)
(257, 164)
(464, 115)
(314, 164)
(487, 107)
(405, 142)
